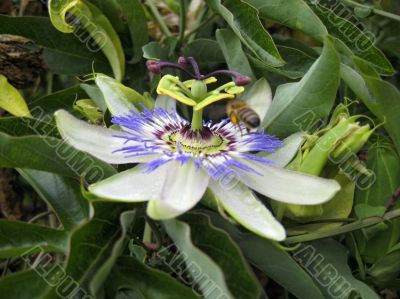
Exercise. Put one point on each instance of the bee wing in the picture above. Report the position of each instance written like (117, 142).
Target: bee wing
(259, 97)
(215, 112)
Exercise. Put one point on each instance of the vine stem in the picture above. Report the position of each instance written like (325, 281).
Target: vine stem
(376, 11)
(344, 229)
(159, 18)
(154, 230)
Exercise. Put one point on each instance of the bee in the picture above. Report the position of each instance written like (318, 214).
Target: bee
(238, 111)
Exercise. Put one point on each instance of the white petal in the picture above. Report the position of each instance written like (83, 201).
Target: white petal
(289, 186)
(165, 102)
(131, 185)
(259, 97)
(95, 140)
(282, 156)
(115, 94)
(248, 210)
(183, 189)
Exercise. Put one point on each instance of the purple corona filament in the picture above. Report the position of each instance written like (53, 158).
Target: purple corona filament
(218, 148)
(185, 62)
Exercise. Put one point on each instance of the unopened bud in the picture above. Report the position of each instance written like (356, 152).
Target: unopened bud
(153, 66)
(353, 142)
(242, 80)
(183, 62)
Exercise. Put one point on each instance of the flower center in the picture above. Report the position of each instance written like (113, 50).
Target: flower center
(200, 142)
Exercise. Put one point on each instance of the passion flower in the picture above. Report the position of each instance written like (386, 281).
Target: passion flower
(176, 166)
(179, 160)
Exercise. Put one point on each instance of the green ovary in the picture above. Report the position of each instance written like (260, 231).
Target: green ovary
(196, 145)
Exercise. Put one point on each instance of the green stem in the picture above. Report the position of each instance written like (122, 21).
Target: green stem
(380, 12)
(344, 229)
(156, 232)
(182, 21)
(197, 120)
(159, 18)
(49, 80)
(357, 255)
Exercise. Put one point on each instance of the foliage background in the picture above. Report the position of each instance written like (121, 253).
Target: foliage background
(54, 243)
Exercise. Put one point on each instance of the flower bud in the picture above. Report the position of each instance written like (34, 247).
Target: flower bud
(153, 66)
(183, 62)
(352, 143)
(335, 145)
(242, 80)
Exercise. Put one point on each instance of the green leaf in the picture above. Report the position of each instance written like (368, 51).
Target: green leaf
(387, 97)
(62, 194)
(57, 12)
(295, 14)
(16, 238)
(357, 84)
(206, 51)
(239, 277)
(314, 94)
(297, 64)
(386, 269)
(98, 26)
(23, 285)
(11, 100)
(95, 246)
(52, 155)
(130, 274)
(63, 53)
(135, 17)
(233, 52)
(180, 234)
(384, 162)
(112, 10)
(243, 20)
(272, 260)
(126, 220)
(387, 101)
(62, 99)
(154, 50)
(359, 41)
(21, 126)
(333, 270)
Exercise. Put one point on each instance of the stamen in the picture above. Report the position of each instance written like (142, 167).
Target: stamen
(183, 64)
(238, 78)
(156, 66)
(195, 67)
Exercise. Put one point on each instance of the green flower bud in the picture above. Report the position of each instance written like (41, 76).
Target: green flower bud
(339, 141)
(318, 156)
(352, 143)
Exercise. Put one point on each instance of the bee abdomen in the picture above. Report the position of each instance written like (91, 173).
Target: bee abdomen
(249, 117)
